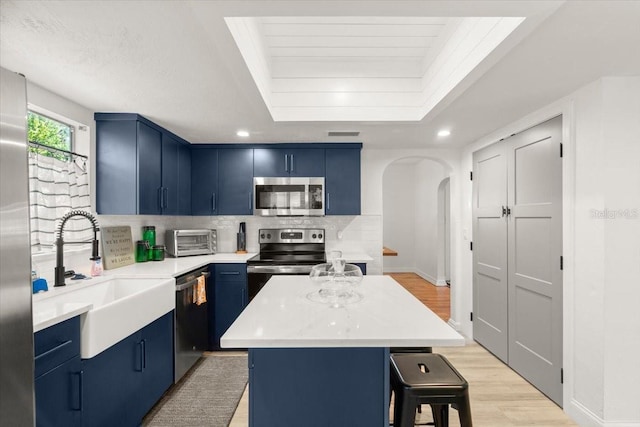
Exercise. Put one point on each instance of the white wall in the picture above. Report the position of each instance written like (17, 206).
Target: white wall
(621, 181)
(398, 218)
(601, 175)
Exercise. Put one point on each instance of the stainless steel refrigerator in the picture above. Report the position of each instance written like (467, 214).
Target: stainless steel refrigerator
(16, 325)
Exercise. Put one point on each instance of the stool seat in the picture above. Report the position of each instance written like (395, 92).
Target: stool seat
(410, 350)
(428, 378)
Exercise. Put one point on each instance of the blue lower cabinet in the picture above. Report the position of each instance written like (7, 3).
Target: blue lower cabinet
(339, 386)
(58, 375)
(59, 395)
(122, 383)
(230, 297)
(157, 368)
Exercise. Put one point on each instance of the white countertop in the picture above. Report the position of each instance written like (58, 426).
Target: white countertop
(354, 257)
(58, 304)
(281, 316)
(176, 266)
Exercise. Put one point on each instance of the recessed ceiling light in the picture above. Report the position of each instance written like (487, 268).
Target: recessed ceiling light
(444, 132)
(243, 133)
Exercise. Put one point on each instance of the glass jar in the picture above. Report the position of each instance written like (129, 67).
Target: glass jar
(142, 251)
(157, 253)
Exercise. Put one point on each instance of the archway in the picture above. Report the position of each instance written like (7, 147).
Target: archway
(411, 216)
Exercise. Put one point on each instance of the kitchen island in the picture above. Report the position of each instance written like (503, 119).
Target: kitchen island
(314, 365)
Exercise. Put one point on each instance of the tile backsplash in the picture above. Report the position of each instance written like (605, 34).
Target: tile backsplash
(362, 234)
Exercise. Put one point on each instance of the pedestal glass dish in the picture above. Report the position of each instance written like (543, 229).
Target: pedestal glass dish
(337, 282)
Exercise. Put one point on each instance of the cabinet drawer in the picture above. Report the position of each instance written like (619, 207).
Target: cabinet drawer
(56, 344)
(230, 273)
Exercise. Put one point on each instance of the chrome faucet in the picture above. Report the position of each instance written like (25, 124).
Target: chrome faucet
(59, 271)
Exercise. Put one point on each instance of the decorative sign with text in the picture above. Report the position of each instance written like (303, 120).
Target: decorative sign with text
(117, 246)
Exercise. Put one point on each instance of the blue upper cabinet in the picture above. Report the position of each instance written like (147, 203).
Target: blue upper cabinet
(279, 162)
(342, 181)
(116, 167)
(184, 179)
(176, 177)
(149, 154)
(141, 168)
(204, 180)
(235, 181)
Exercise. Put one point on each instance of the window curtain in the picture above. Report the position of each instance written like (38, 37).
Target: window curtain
(55, 188)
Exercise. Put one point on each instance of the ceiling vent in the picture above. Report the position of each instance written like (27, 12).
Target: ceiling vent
(344, 133)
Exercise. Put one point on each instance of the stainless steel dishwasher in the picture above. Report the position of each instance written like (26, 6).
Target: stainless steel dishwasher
(192, 331)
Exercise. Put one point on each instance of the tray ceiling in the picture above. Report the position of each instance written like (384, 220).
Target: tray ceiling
(362, 68)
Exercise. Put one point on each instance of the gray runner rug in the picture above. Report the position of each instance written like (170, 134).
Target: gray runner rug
(207, 396)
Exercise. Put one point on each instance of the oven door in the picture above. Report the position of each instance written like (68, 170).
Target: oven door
(288, 196)
(259, 275)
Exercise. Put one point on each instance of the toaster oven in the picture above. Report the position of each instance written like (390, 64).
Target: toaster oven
(191, 242)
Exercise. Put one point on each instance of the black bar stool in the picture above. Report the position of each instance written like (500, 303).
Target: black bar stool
(427, 378)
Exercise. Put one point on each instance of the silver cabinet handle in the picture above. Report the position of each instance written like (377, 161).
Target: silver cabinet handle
(328, 198)
(286, 163)
(165, 192)
(213, 202)
(291, 162)
(504, 210)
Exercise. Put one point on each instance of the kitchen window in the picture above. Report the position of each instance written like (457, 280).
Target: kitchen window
(58, 182)
(49, 137)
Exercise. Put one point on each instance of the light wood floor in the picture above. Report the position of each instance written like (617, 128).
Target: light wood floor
(499, 396)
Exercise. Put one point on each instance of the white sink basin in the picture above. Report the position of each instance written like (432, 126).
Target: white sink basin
(121, 306)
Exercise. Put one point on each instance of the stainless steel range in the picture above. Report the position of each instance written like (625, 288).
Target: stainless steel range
(290, 251)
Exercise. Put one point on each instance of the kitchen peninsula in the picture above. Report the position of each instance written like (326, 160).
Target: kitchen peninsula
(314, 365)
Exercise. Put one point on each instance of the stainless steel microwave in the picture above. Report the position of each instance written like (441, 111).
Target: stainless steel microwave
(288, 196)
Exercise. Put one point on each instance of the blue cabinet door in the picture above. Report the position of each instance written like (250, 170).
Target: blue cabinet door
(116, 170)
(184, 179)
(112, 384)
(204, 178)
(122, 383)
(307, 162)
(59, 395)
(157, 363)
(230, 296)
(235, 181)
(342, 181)
(270, 162)
(149, 176)
(169, 192)
(279, 162)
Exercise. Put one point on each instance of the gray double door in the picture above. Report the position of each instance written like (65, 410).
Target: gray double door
(517, 249)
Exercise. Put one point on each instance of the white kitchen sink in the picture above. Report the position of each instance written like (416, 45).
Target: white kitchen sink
(121, 306)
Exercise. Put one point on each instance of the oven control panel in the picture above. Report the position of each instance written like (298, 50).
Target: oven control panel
(291, 235)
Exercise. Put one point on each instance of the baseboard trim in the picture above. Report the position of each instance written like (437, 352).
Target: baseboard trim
(429, 278)
(455, 325)
(582, 415)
